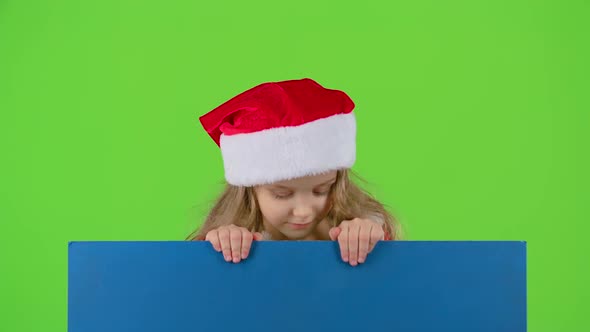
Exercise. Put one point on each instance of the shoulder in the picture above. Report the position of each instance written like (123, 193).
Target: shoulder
(266, 235)
(376, 218)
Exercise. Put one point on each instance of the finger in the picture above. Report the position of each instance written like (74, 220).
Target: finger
(353, 244)
(343, 243)
(364, 239)
(334, 232)
(213, 237)
(224, 243)
(247, 238)
(235, 238)
(258, 236)
(376, 235)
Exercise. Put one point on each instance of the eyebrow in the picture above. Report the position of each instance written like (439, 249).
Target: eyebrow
(285, 187)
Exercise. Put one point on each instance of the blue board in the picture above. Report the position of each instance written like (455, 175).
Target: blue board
(297, 286)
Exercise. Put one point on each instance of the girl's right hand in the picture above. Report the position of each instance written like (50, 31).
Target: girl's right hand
(234, 241)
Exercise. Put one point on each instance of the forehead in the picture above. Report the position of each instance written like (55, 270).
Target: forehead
(306, 181)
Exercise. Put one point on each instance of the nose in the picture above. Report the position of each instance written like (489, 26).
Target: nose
(303, 209)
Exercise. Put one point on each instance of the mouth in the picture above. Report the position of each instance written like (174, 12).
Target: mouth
(299, 226)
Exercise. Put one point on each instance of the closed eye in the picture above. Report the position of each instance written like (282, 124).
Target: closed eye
(282, 196)
(323, 193)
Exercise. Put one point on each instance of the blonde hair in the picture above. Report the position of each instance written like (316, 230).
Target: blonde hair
(238, 205)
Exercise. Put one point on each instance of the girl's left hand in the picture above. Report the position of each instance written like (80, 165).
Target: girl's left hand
(357, 238)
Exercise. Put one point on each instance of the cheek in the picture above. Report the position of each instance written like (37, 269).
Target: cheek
(319, 203)
(273, 211)
(321, 200)
(322, 204)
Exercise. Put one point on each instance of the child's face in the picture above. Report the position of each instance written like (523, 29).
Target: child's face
(293, 207)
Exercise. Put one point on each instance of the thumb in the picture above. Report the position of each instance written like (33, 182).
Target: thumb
(258, 236)
(334, 232)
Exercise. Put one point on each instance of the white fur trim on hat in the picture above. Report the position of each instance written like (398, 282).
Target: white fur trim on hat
(286, 153)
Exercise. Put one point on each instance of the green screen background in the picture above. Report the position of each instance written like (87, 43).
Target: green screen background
(473, 124)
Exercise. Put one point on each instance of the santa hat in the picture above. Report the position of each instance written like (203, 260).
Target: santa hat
(283, 130)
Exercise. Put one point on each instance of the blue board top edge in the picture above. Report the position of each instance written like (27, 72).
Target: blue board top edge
(300, 241)
(320, 243)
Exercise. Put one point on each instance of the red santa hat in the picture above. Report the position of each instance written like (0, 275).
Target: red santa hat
(283, 130)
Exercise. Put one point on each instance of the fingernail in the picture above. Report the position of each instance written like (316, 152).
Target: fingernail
(353, 263)
(361, 260)
(244, 255)
(227, 258)
(345, 259)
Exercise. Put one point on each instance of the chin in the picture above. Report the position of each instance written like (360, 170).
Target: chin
(294, 235)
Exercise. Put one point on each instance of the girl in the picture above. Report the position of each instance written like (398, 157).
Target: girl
(288, 148)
